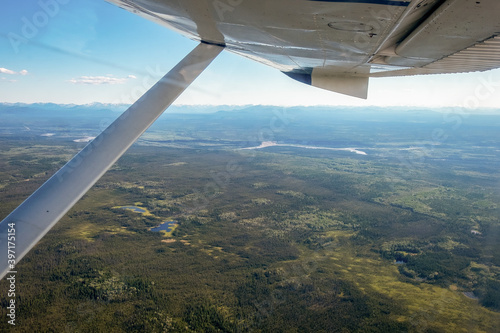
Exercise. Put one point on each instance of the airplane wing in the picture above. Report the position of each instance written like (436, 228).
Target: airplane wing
(339, 44)
(332, 44)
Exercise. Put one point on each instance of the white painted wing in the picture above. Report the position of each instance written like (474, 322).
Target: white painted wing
(339, 44)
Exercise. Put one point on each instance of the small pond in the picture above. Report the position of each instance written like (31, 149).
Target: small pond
(134, 208)
(166, 226)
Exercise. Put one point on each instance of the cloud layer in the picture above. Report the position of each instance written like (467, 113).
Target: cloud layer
(96, 80)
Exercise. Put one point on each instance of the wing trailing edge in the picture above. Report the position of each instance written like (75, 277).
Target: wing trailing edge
(480, 57)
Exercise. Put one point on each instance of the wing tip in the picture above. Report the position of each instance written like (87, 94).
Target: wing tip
(354, 86)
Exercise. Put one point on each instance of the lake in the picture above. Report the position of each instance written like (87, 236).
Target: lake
(166, 226)
(134, 208)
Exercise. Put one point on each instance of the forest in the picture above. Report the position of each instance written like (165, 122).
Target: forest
(276, 239)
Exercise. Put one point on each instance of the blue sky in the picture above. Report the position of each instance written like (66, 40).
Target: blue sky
(84, 51)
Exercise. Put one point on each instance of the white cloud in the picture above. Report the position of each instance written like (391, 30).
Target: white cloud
(7, 71)
(7, 80)
(96, 80)
(11, 72)
(132, 77)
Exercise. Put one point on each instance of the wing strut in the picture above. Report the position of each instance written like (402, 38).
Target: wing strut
(29, 222)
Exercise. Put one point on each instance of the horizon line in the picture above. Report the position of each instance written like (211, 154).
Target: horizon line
(261, 105)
